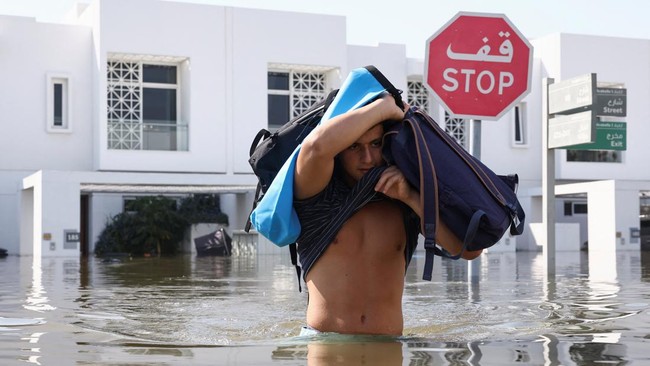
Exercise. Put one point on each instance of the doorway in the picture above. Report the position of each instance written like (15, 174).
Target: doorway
(83, 226)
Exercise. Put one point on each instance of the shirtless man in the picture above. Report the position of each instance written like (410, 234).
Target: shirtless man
(355, 277)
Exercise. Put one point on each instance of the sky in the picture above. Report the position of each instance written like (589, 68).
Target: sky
(412, 22)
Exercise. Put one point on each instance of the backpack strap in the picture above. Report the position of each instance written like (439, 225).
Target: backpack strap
(263, 134)
(256, 199)
(428, 197)
(294, 260)
(518, 216)
(470, 234)
(390, 88)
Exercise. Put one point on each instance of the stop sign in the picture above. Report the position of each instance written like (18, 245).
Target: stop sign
(478, 65)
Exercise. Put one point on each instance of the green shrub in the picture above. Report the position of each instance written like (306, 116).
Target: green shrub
(118, 235)
(202, 208)
(153, 225)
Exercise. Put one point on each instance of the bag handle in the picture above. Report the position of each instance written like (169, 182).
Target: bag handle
(264, 133)
(390, 88)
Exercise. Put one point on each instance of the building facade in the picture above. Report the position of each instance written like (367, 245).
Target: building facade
(165, 98)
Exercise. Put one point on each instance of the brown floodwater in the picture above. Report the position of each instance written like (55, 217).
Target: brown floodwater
(246, 310)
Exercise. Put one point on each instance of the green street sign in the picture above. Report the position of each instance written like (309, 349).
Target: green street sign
(609, 136)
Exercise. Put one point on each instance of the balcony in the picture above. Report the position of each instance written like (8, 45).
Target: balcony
(147, 135)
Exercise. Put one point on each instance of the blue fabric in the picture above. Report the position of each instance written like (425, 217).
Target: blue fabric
(274, 217)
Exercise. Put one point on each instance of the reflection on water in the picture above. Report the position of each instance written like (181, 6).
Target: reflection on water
(248, 311)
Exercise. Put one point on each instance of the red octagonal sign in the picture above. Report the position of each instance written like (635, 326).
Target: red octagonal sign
(478, 65)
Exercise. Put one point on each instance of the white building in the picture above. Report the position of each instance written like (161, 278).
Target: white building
(167, 97)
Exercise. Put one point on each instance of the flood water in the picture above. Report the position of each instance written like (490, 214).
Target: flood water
(247, 310)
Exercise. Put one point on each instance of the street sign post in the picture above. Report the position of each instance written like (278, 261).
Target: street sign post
(571, 102)
(478, 65)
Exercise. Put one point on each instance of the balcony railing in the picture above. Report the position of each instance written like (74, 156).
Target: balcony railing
(147, 135)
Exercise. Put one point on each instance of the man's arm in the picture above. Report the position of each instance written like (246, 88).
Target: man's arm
(315, 162)
(393, 184)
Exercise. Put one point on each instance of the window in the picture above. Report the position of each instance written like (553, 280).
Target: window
(58, 103)
(292, 92)
(144, 106)
(594, 156)
(575, 208)
(457, 128)
(418, 95)
(519, 125)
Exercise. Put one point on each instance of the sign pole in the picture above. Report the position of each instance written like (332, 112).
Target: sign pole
(548, 187)
(474, 266)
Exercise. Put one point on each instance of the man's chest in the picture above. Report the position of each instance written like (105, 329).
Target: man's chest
(378, 226)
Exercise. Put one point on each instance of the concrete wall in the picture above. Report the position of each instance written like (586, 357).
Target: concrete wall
(30, 52)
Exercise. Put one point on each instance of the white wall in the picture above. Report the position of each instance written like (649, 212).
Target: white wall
(30, 51)
(258, 38)
(388, 58)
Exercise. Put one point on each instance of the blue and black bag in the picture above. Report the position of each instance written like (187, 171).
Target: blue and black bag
(475, 203)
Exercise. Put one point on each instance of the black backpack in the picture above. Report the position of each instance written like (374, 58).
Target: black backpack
(269, 151)
(475, 203)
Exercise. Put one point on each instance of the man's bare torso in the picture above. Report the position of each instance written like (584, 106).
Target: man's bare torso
(356, 285)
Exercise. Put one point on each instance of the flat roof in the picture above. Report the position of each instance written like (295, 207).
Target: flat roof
(153, 188)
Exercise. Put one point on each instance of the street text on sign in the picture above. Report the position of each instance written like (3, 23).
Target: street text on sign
(611, 102)
(572, 94)
(572, 129)
(610, 135)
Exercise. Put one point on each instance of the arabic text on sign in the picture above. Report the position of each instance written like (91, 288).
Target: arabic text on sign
(483, 54)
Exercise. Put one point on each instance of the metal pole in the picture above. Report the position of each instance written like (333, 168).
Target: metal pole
(548, 187)
(474, 266)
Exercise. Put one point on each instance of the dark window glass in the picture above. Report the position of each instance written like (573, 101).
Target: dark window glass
(129, 205)
(580, 208)
(278, 80)
(600, 156)
(568, 209)
(159, 105)
(159, 74)
(518, 137)
(278, 110)
(58, 104)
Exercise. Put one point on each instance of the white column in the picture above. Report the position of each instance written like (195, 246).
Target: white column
(602, 230)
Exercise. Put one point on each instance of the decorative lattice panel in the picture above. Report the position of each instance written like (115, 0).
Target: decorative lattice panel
(124, 99)
(418, 96)
(307, 88)
(457, 128)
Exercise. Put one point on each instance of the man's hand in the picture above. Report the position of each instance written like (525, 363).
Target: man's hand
(393, 184)
(388, 109)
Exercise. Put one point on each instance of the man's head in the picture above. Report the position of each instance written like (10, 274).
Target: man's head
(363, 155)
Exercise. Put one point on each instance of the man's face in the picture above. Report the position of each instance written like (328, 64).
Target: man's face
(363, 155)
